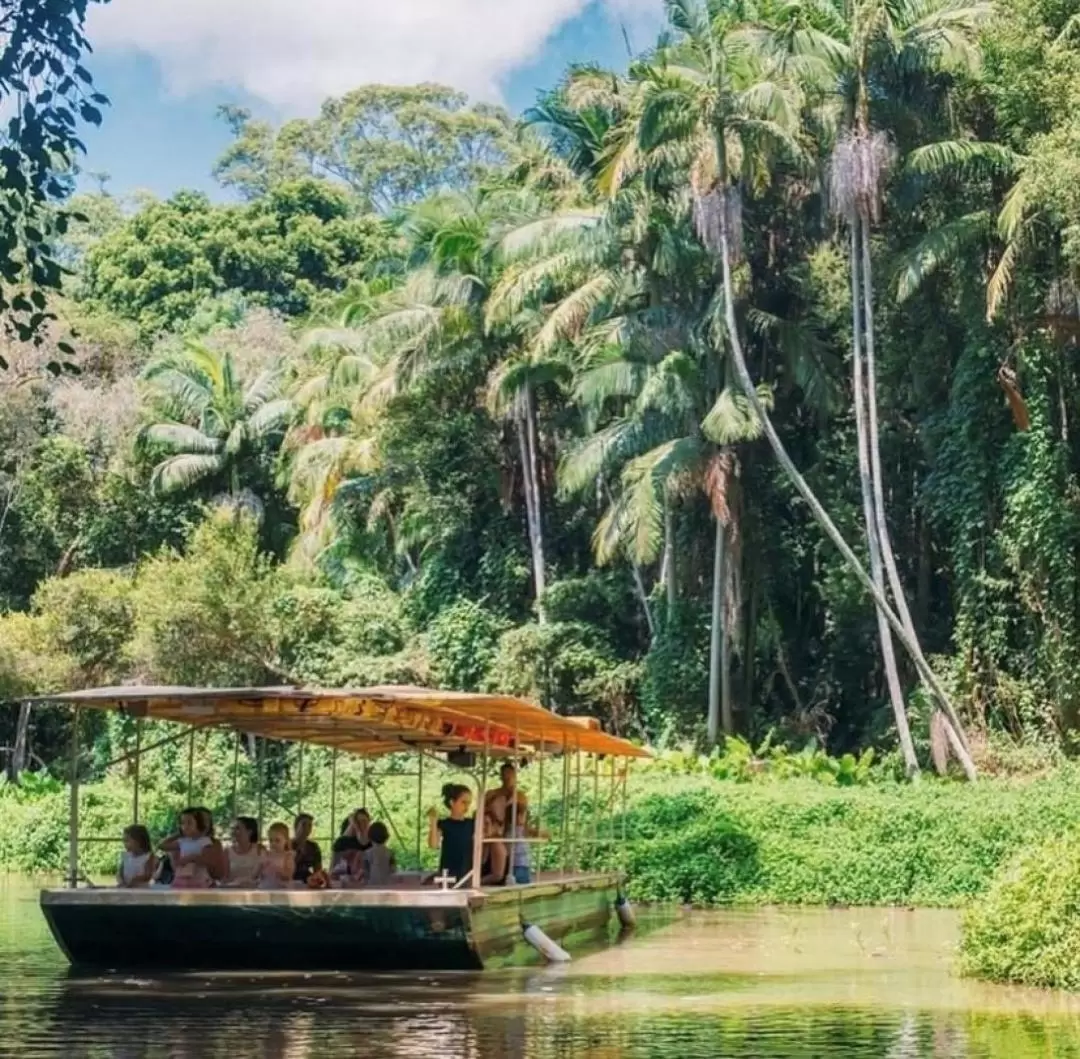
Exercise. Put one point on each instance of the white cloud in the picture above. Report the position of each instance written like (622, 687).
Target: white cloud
(295, 53)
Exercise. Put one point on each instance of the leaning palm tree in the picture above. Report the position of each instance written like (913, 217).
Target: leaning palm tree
(216, 422)
(720, 92)
(933, 40)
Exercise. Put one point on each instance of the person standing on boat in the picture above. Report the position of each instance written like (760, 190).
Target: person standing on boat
(499, 803)
(308, 856)
(453, 835)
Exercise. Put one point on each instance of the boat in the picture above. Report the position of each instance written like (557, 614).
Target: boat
(418, 923)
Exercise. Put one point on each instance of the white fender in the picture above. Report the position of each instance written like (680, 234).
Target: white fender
(544, 945)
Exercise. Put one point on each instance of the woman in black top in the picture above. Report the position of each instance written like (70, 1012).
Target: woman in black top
(453, 836)
(308, 856)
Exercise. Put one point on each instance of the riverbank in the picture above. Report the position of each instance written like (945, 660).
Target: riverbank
(690, 839)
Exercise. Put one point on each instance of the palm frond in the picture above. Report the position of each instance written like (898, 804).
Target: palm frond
(181, 472)
(944, 244)
(963, 157)
(597, 455)
(568, 317)
(732, 419)
(543, 234)
(182, 439)
(270, 418)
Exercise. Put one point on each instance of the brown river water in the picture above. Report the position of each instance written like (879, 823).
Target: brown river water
(761, 984)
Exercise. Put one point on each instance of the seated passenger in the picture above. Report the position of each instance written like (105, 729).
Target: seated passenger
(496, 856)
(244, 857)
(138, 863)
(346, 863)
(215, 859)
(521, 856)
(187, 851)
(279, 865)
(453, 836)
(307, 855)
(379, 865)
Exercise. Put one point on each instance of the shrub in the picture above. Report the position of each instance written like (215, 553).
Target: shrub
(1026, 928)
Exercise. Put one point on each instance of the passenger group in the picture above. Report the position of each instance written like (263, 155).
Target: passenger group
(194, 858)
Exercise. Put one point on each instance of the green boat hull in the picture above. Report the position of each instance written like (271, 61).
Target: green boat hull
(340, 930)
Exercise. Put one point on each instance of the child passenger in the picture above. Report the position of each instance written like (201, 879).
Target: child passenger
(278, 865)
(453, 836)
(379, 866)
(138, 863)
(186, 851)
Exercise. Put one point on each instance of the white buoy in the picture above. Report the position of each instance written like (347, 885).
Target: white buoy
(544, 945)
(625, 911)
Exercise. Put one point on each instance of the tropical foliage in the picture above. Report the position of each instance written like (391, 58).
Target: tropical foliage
(728, 394)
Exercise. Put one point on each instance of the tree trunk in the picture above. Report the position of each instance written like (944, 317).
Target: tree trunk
(643, 598)
(532, 484)
(19, 752)
(669, 557)
(531, 514)
(819, 513)
(897, 588)
(718, 709)
(873, 540)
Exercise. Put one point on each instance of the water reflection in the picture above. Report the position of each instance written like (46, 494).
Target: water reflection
(740, 985)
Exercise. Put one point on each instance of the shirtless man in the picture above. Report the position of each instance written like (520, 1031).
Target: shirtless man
(498, 803)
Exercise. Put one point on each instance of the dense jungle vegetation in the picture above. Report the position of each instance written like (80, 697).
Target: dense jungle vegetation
(438, 396)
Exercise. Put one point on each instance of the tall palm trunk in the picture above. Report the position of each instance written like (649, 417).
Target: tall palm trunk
(861, 242)
(819, 513)
(527, 442)
(668, 565)
(873, 540)
(718, 709)
(531, 513)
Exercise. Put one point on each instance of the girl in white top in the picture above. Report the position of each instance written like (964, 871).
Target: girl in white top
(245, 855)
(138, 863)
(186, 851)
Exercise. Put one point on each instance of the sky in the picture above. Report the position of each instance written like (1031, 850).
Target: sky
(167, 65)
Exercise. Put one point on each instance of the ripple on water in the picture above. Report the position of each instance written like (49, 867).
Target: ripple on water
(738, 985)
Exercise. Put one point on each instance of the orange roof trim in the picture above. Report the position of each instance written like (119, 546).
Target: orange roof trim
(369, 721)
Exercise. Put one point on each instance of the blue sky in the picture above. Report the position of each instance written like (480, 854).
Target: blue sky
(166, 71)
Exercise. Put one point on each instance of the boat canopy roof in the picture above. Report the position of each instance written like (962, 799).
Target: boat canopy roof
(366, 721)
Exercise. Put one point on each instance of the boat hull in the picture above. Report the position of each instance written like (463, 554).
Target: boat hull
(346, 930)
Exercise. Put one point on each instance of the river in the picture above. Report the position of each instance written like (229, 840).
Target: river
(761, 984)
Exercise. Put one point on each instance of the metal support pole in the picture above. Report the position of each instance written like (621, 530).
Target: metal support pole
(190, 764)
(565, 810)
(419, 804)
(333, 791)
(595, 803)
(138, 759)
(577, 815)
(511, 846)
(260, 776)
(539, 824)
(300, 782)
(478, 817)
(73, 807)
(363, 782)
(235, 772)
(611, 804)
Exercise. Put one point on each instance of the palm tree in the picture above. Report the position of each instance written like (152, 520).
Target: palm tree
(216, 421)
(722, 93)
(887, 43)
